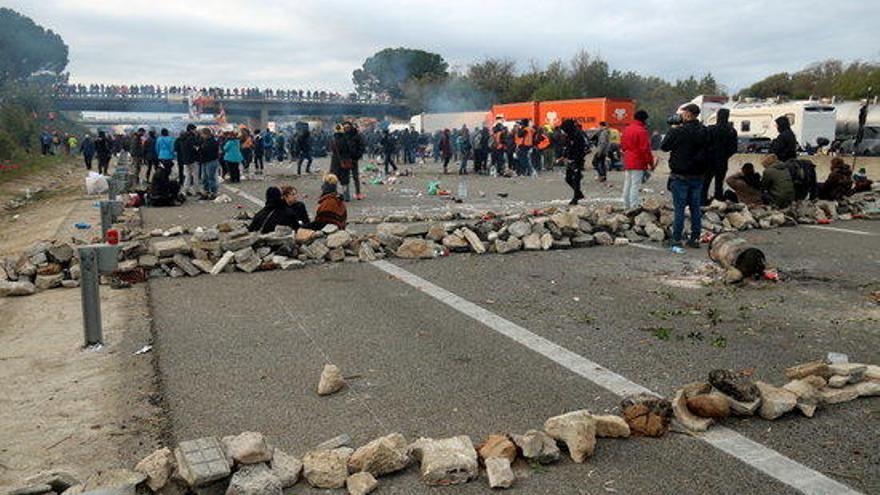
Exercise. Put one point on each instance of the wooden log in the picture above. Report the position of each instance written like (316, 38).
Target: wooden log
(731, 251)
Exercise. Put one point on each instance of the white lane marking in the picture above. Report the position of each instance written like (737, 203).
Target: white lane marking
(748, 451)
(253, 199)
(838, 229)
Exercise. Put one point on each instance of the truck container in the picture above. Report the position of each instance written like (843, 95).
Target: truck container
(588, 112)
(432, 122)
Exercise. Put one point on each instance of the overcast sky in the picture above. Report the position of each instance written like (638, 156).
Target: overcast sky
(305, 44)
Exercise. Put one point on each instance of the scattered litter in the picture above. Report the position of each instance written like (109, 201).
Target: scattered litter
(143, 350)
(576, 299)
(82, 225)
(771, 275)
(223, 198)
(94, 348)
(837, 358)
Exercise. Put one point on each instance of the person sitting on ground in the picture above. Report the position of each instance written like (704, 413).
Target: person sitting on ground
(777, 187)
(839, 183)
(745, 185)
(164, 191)
(331, 207)
(297, 209)
(277, 211)
(861, 182)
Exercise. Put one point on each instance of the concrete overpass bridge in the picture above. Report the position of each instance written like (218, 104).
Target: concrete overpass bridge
(256, 111)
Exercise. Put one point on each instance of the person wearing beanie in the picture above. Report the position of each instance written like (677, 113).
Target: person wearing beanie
(723, 143)
(687, 145)
(331, 206)
(637, 158)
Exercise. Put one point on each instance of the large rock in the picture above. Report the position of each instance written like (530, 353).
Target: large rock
(817, 368)
(326, 468)
(395, 229)
(158, 467)
(577, 429)
(838, 395)
(56, 479)
(497, 446)
(415, 248)
(239, 243)
(448, 461)
(684, 416)
(740, 408)
(286, 468)
(113, 481)
(611, 426)
(737, 386)
(221, 264)
(775, 401)
(476, 244)
(381, 456)
(317, 250)
(304, 235)
(520, 228)
(338, 239)
(567, 222)
(185, 263)
(169, 247)
(499, 472)
(456, 243)
(537, 446)
(361, 483)
(532, 242)
(60, 253)
(254, 479)
(248, 447)
(331, 380)
(709, 406)
(44, 282)
(201, 461)
(20, 288)
(646, 415)
(508, 246)
(436, 232)
(805, 388)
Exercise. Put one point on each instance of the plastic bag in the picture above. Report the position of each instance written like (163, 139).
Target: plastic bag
(433, 187)
(96, 183)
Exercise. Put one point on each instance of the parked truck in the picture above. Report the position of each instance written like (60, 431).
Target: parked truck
(588, 112)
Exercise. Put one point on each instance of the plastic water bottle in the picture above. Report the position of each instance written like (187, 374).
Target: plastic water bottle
(462, 188)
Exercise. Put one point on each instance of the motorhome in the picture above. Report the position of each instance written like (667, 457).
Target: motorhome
(809, 120)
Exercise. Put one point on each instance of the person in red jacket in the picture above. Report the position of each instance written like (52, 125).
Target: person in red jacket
(637, 158)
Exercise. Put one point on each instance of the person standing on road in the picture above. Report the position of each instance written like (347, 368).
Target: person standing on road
(574, 155)
(463, 145)
(603, 142)
(104, 150)
(722, 145)
(232, 157)
(525, 143)
(637, 158)
(304, 150)
(136, 145)
(356, 149)
(151, 158)
(247, 152)
(387, 144)
(686, 144)
(87, 148)
(165, 151)
(187, 160)
(784, 146)
(258, 150)
(208, 156)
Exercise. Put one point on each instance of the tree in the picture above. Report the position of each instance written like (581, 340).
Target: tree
(389, 70)
(494, 76)
(27, 48)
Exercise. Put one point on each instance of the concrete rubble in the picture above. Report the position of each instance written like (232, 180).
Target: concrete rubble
(229, 247)
(248, 464)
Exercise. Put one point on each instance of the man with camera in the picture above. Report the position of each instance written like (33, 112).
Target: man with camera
(686, 143)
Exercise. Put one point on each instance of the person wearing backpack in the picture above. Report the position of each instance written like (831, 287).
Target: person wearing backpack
(803, 175)
(722, 145)
(777, 187)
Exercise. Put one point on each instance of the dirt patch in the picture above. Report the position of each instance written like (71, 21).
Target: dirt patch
(62, 406)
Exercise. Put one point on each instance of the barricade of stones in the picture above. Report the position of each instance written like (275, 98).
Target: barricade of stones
(229, 247)
(248, 464)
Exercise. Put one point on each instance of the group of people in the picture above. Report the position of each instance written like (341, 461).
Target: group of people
(283, 208)
(698, 156)
(157, 91)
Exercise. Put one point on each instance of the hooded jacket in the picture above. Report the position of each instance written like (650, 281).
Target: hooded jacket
(722, 139)
(838, 185)
(784, 146)
(687, 145)
(777, 184)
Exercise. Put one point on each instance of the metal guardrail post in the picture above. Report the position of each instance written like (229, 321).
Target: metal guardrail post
(94, 260)
(109, 211)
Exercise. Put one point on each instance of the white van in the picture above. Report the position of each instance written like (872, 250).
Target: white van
(809, 120)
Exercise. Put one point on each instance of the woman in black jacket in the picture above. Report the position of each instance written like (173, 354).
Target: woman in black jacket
(280, 209)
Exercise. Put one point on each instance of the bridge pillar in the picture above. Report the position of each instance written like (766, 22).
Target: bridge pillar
(261, 121)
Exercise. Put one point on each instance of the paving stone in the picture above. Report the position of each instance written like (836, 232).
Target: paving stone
(499, 472)
(447, 461)
(201, 461)
(248, 447)
(170, 247)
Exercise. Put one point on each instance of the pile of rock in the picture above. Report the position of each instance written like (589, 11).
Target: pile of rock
(697, 406)
(229, 247)
(247, 464)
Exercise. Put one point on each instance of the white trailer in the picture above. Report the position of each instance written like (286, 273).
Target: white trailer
(810, 120)
(431, 122)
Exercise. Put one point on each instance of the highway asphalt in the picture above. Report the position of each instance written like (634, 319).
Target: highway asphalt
(243, 352)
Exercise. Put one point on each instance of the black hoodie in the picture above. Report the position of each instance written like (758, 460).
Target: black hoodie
(277, 212)
(785, 145)
(722, 139)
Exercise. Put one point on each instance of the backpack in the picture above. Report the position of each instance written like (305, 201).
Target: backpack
(803, 175)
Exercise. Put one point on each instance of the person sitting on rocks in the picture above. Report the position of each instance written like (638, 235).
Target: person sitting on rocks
(777, 186)
(278, 211)
(331, 207)
(839, 183)
(745, 185)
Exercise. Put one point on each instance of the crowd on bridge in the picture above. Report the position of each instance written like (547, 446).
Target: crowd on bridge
(217, 93)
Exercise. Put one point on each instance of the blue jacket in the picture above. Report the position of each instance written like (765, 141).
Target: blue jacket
(268, 140)
(165, 147)
(232, 151)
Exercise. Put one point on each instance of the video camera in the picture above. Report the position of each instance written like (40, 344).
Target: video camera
(675, 119)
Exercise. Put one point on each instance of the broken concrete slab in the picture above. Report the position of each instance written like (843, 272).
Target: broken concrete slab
(447, 461)
(577, 429)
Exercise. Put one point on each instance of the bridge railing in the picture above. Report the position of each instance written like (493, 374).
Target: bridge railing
(293, 97)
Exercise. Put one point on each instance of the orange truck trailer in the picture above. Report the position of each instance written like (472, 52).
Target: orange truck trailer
(618, 112)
